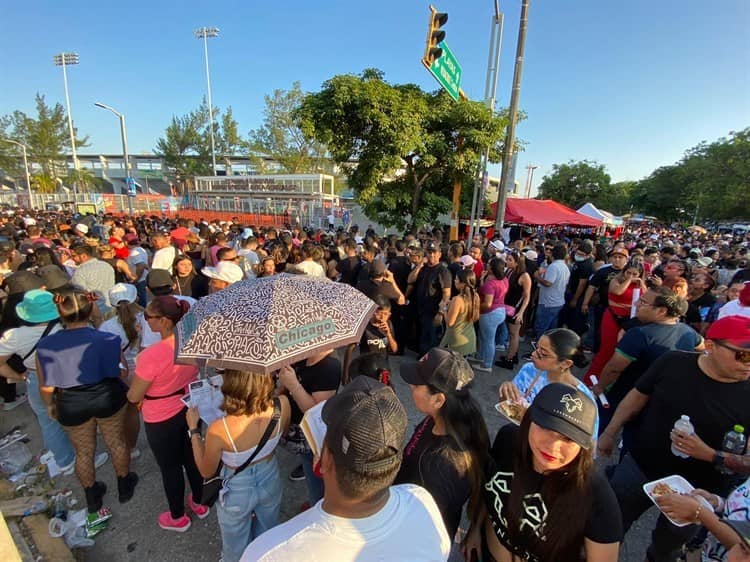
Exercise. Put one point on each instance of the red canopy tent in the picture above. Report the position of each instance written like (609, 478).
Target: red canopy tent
(544, 212)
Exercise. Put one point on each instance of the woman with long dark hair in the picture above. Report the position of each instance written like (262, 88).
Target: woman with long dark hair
(159, 384)
(492, 308)
(188, 282)
(516, 302)
(463, 311)
(543, 500)
(79, 380)
(448, 450)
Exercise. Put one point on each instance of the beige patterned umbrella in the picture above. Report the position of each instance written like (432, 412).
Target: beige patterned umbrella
(263, 324)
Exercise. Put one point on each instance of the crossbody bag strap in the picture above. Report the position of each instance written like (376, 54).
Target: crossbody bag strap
(264, 439)
(46, 332)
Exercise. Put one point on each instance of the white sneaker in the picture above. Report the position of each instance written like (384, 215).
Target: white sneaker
(68, 469)
(20, 399)
(101, 459)
(501, 348)
(482, 369)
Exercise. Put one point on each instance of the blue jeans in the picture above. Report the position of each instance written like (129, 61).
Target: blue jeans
(54, 436)
(501, 337)
(256, 490)
(429, 334)
(140, 287)
(314, 484)
(546, 319)
(488, 325)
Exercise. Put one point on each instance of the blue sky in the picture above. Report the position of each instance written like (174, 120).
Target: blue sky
(631, 85)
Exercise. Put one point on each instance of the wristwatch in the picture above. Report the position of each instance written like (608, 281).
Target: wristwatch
(192, 432)
(718, 459)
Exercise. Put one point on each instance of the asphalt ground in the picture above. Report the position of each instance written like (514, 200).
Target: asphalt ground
(133, 533)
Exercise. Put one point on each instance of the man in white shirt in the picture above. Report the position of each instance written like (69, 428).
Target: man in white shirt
(552, 284)
(164, 253)
(739, 306)
(361, 517)
(138, 264)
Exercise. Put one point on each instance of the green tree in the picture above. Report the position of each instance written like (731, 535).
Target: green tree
(281, 137)
(229, 142)
(183, 147)
(576, 183)
(46, 136)
(404, 142)
(712, 181)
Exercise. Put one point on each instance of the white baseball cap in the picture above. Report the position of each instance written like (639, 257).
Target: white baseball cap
(82, 228)
(530, 255)
(224, 271)
(122, 292)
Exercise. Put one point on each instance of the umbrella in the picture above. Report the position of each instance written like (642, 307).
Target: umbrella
(264, 324)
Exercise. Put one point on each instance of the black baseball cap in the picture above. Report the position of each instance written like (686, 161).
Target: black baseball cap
(431, 247)
(440, 368)
(53, 277)
(159, 278)
(366, 426)
(566, 410)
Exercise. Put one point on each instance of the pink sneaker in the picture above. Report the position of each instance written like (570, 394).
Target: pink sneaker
(201, 511)
(168, 523)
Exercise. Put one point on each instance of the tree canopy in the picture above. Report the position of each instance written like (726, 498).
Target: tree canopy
(576, 183)
(405, 143)
(46, 137)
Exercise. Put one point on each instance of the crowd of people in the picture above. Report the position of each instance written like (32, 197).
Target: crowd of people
(625, 335)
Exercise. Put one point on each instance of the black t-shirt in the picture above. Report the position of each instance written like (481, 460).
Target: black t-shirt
(349, 269)
(374, 288)
(374, 340)
(400, 267)
(600, 279)
(429, 290)
(325, 375)
(603, 521)
(676, 386)
(426, 464)
(580, 270)
(643, 345)
(699, 309)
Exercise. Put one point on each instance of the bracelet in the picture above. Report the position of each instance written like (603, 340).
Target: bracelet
(697, 513)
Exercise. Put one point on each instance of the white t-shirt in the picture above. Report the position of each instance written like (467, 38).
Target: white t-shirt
(164, 258)
(148, 336)
(409, 527)
(22, 339)
(137, 256)
(309, 267)
(113, 326)
(558, 274)
(734, 308)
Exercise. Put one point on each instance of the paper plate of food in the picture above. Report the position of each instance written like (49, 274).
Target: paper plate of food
(674, 484)
(513, 410)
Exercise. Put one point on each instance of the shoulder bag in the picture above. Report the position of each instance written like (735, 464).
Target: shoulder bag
(15, 361)
(212, 486)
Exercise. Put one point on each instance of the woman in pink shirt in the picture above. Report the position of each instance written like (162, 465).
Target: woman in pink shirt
(159, 384)
(492, 308)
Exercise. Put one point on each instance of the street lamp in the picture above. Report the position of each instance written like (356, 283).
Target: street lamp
(64, 60)
(124, 135)
(26, 167)
(529, 178)
(204, 33)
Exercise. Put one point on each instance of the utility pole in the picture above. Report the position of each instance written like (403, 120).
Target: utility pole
(64, 60)
(490, 94)
(510, 136)
(204, 33)
(529, 178)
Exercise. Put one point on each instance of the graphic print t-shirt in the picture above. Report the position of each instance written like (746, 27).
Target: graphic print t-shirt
(603, 522)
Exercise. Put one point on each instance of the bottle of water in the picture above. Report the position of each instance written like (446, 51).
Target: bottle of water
(682, 425)
(734, 442)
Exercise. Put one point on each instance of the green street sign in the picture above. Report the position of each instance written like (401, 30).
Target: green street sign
(446, 71)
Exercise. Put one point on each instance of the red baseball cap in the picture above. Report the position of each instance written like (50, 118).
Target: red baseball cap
(735, 330)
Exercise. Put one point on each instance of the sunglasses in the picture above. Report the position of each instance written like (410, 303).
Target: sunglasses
(740, 355)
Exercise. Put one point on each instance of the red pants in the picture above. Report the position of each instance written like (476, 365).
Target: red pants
(608, 342)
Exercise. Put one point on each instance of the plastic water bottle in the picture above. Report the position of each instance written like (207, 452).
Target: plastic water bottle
(734, 442)
(682, 425)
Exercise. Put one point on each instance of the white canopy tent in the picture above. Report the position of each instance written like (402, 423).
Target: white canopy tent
(590, 210)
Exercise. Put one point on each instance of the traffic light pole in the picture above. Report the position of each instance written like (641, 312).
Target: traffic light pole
(490, 94)
(510, 137)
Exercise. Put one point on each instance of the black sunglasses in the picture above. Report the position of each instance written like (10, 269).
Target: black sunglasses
(741, 355)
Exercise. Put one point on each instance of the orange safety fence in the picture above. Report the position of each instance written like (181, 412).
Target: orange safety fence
(255, 219)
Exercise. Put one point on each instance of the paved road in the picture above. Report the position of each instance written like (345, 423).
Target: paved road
(134, 535)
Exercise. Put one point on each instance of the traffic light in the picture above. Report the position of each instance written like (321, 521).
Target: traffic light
(435, 35)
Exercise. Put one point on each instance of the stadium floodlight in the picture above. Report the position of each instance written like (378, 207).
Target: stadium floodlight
(204, 33)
